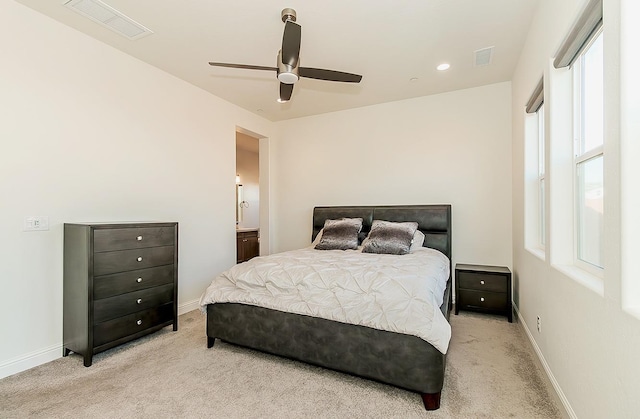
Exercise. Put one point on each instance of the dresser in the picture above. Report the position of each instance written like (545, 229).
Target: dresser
(484, 289)
(120, 283)
(248, 244)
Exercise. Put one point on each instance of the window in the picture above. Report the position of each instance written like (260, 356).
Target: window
(541, 179)
(535, 168)
(588, 78)
(577, 149)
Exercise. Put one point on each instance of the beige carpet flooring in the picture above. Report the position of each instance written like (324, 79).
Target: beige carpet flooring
(491, 373)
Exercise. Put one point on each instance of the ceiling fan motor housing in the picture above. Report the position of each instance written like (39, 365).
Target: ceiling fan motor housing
(286, 73)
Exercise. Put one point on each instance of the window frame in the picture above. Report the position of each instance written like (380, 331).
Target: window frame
(542, 224)
(580, 157)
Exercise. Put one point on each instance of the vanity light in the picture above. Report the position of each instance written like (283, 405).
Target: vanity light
(443, 67)
(237, 179)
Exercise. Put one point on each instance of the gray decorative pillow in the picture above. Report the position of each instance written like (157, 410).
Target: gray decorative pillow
(390, 238)
(340, 234)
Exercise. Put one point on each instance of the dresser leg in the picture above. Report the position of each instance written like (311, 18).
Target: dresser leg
(87, 360)
(210, 342)
(65, 352)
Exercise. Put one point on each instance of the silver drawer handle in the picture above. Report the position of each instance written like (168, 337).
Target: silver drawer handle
(139, 300)
(481, 298)
(139, 238)
(139, 279)
(481, 282)
(139, 258)
(139, 322)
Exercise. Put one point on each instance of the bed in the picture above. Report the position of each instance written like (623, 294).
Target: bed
(402, 360)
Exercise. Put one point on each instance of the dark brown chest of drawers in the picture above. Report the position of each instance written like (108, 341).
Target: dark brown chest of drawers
(120, 283)
(248, 245)
(484, 288)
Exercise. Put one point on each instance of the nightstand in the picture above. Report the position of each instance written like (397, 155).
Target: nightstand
(485, 289)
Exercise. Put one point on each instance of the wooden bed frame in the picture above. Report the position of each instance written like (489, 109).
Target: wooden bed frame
(392, 358)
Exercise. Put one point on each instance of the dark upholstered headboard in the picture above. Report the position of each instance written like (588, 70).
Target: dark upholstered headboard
(433, 220)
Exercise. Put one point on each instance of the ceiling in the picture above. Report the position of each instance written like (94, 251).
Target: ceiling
(394, 44)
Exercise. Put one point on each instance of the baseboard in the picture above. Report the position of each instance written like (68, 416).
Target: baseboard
(33, 359)
(188, 306)
(547, 369)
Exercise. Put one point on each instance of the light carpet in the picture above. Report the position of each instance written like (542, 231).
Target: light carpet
(491, 373)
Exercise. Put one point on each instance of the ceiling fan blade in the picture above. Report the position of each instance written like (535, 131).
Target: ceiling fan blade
(330, 75)
(245, 66)
(285, 92)
(291, 43)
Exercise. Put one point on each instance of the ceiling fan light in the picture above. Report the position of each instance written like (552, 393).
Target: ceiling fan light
(287, 77)
(280, 100)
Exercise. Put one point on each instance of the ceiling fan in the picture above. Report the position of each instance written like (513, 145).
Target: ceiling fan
(288, 70)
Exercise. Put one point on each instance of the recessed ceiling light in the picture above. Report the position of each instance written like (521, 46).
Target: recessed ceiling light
(443, 67)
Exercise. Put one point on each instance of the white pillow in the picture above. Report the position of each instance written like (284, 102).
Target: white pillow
(318, 237)
(418, 241)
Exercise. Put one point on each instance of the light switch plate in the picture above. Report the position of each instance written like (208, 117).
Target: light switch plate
(36, 223)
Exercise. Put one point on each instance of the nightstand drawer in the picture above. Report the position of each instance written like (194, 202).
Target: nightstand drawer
(482, 282)
(481, 299)
(129, 260)
(105, 240)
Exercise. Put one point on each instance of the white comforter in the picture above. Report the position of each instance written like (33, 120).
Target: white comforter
(388, 292)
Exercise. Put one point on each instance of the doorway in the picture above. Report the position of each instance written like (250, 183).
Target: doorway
(247, 196)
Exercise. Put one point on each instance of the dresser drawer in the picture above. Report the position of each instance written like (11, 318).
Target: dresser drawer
(481, 299)
(115, 329)
(105, 240)
(115, 284)
(128, 260)
(112, 307)
(482, 282)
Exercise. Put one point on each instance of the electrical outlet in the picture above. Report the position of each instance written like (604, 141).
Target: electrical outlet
(36, 223)
(539, 324)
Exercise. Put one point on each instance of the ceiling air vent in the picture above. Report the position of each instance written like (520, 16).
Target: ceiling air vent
(482, 57)
(109, 17)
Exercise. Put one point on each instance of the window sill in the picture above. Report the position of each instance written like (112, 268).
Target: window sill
(583, 278)
(537, 252)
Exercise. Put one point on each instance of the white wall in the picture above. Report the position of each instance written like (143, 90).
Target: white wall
(588, 342)
(449, 148)
(91, 134)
